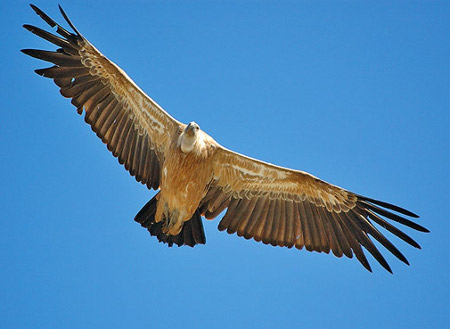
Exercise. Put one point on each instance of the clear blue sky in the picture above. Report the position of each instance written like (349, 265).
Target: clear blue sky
(356, 93)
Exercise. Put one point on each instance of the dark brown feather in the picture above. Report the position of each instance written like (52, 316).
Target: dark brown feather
(77, 90)
(298, 231)
(304, 221)
(341, 237)
(394, 217)
(218, 210)
(380, 221)
(132, 145)
(365, 241)
(289, 229)
(333, 240)
(223, 225)
(146, 164)
(58, 41)
(63, 72)
(272, 238)
(119, 134)
(211, 195)
(54, 57)
(122, 145)
(217, 200)
(141, 159)
(367, 227)
(96, 107)
(136, 155)
(240, 209)
(187, 235)
(63, 82)
(320, 220)
(318, 239)
(192, 232)
(280, 239)
(388, 206)
(108, 120)
(156, 171)
(62, 31)
(258, 229)
(245, 227)
(268, 226)
(243, 218)
(114, 131)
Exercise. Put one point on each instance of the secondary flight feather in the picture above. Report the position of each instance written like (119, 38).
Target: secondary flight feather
(196, 176)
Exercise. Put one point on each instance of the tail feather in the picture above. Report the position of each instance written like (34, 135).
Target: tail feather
(191, 234)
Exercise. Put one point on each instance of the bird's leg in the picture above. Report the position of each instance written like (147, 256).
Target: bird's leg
(170, 220)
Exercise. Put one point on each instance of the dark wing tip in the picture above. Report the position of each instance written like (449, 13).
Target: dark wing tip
(41, 72)
(389, 206)
(375, 205)
(382, 262)
(28, 27)
(414, 244)
(403, 259)
(411, 214)
(366, 266)
(419, 228)
(40, 54)
(36, 9)
(60, 30)
(69, 21)
(47, 19)
(28, 52)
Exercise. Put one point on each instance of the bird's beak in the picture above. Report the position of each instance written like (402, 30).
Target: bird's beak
(190, 131)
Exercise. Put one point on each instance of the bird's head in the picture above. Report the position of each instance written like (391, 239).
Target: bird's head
(192, 129)
(189, 137)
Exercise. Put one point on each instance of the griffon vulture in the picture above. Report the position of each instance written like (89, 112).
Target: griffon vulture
(196, 176)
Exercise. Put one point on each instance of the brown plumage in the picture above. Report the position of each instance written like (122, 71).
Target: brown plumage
(198, 177)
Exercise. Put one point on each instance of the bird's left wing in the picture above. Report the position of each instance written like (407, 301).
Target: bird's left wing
(134, 127)
(289, 208)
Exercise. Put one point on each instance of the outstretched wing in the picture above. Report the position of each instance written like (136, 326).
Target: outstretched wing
(134, 127)
(289, 208)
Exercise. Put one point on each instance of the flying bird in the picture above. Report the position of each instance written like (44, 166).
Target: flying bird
(195, 176)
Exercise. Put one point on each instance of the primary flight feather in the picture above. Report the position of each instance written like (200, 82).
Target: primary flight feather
(197, 177)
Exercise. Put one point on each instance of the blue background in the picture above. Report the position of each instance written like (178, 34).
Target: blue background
(355, 92)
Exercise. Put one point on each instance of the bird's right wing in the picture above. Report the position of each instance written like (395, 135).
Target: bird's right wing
(133, 126)
(289, 208)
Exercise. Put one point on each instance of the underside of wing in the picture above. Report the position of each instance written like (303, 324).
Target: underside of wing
(284, 207)
(135, 128)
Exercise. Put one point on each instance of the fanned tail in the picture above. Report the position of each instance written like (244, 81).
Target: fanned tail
(191, 234)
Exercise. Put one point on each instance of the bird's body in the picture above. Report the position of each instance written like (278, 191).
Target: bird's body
(196, 176)
(180, 193)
